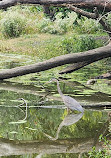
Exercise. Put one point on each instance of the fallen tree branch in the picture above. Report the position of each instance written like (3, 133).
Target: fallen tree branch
(80, 11)
(75, 66)
(91, 55)
(78, 3)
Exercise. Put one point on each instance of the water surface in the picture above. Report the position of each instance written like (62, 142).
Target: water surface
(48, 131)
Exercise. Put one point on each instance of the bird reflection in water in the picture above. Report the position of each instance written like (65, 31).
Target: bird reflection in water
(70, 119)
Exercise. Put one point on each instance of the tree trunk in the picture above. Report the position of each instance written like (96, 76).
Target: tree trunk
(91, 55)
(78, 3)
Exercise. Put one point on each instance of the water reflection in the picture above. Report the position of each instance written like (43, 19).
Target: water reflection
(29, 138)
(40, 155)
(79, 140)
(68, 120)
(19, 106)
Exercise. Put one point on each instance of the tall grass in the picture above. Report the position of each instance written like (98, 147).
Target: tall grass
(29, 20)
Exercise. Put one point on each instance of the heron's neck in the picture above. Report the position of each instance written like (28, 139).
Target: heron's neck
(58, 87)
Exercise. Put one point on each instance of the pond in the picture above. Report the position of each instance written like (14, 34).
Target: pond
(44, 129)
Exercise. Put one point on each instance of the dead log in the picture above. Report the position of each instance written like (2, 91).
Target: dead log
(91, 55)
(78, 3)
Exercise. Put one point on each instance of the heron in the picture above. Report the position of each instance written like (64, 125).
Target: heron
(69, 102)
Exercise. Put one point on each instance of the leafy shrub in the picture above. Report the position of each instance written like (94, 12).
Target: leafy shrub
(59, 25)
(85, 43)
(68, 44)
(102, 153)
(68, 23)
(44, 25)
(64, 25)
(30, 19)
(12, 24)
(86, 25)
(80, 44)
(98, 154)
(109, 19)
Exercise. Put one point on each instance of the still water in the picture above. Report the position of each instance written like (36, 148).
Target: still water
(48, 130)
(44, 129)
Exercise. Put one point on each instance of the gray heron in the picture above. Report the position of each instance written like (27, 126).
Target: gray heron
(70, 102)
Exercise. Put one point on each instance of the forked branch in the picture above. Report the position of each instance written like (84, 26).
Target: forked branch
(94, 15)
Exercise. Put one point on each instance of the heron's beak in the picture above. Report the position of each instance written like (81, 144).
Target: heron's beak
(47, 82)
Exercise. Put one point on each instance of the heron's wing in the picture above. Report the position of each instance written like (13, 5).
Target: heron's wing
(70, 100)
(71, 103)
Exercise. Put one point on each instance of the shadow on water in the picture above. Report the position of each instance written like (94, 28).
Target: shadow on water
(47, 130)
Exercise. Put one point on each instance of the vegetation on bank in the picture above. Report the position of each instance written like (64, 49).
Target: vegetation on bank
(29, 20)
(31, 40)
(26, 30)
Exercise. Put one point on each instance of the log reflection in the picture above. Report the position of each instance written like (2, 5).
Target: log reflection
(78, 145)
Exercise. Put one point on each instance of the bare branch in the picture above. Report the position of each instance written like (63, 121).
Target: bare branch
(94, 15)
(80, 11)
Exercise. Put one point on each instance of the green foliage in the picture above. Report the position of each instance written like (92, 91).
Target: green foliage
(109, 19)
(79, 44)
(44, 25)
(26, 9)
(64, 11)
(19, 20)
(102, 152)
(59, 26)
(98, 154)
(30, 19)
(35, 8)
(12, 24)
(85, 25)
(69, 44)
